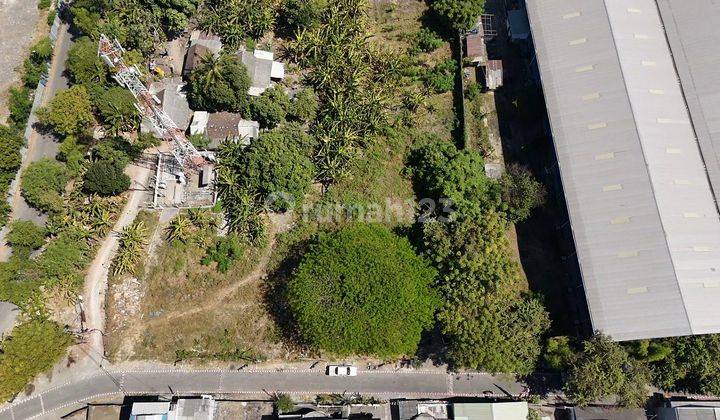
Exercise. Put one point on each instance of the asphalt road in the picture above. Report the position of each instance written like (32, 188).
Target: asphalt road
(254, 384)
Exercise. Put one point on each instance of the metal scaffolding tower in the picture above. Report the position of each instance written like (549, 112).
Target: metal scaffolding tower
(149, 105)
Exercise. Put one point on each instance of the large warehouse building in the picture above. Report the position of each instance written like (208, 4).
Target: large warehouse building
(633, 95)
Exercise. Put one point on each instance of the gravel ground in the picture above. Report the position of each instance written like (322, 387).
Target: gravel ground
(17, 20)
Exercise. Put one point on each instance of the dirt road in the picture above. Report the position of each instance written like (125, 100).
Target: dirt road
(97, 274)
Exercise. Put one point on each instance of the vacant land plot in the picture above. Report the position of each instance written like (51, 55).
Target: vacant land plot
(17, 20)
(179, 308)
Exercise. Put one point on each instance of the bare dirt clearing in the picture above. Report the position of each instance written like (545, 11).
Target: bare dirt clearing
(18, 19)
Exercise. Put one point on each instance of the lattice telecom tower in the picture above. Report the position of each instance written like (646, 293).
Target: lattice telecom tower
(149, 105)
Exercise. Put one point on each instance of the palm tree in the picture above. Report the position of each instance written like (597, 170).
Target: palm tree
(134, 236)
(180, 229)
(102, 223)
(203, 219)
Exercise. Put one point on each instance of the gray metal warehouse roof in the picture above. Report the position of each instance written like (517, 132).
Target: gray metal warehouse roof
(693, 30)
(645, 224)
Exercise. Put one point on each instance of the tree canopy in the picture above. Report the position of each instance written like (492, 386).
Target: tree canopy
(490, 323)
(84, 65)
(439, 170)
(521, 192)
(219, 84)
(69, 112)
(33, 347)
(604, 369)
(42, 183)
(278, 164)
(117, 109)
(235, 21)
(461, 15)
(105, 178)
(271, 108)
(363, 290)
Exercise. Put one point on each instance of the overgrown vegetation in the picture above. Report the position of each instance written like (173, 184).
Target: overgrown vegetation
(43, 182)
(363, 290)
(219, 84)
(353, 80)
(33, 346)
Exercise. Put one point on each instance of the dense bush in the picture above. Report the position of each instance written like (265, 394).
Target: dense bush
(42, 183)
(305, 106)
(490, 324)
(219, 84)
(19, 104)
(117, 109)
(604, 369)
(72, 153)
(426, 40)
(25, 235)
(35, 66)
(83, 64)
(276, 167)
(200, 141)
(105, 178)
(558, 353)
(441, 77)
(224, 251)
(69, 112)
(10, 144)
(363, 290)
(440, 171)
(301, 14)
(461, 15)
(33, 347)
(687, 364)
(521, 192)
(271, 108)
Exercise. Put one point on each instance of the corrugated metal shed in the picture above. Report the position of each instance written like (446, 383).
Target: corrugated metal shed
(645, 225)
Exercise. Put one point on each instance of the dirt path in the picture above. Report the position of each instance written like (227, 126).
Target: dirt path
(97, 274)
(225, 292)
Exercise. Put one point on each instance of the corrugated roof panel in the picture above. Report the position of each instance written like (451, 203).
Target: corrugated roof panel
(639, 128)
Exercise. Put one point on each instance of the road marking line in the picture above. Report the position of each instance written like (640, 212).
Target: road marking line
(42, 404)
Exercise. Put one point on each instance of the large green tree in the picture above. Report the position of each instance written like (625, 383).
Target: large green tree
(440, 171)
(83, 64)
(69, 112)
(461, 15)
(277, 167)
(42, 183)
(105, 178)
(219, 84)
(363, 290)
(271, 108)
(490, 323)
(604, 369)
(691, 364)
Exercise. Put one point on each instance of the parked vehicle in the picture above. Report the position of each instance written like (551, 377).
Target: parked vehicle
(341, 370)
